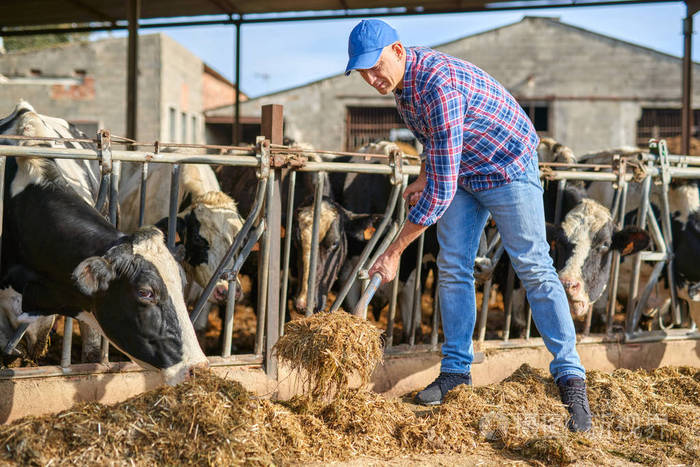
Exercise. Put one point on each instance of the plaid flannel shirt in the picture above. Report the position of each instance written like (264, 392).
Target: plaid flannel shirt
(474, 132)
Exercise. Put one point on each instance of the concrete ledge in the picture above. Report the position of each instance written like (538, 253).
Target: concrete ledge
(36, 391)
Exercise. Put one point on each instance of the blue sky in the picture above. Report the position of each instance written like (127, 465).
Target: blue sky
(278, 56)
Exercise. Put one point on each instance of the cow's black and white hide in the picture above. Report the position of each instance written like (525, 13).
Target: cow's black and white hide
(64, 257)
(339, 231)
(581, 248)
(83, 177)
(343, 236)
(205, 230)
(240, 184)
(684, 204)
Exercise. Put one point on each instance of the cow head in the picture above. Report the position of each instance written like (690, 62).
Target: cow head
(337, 228)
(206, 229)
(138, 303)
(581, 248)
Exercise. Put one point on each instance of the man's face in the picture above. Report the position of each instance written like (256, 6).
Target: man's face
(387, 74)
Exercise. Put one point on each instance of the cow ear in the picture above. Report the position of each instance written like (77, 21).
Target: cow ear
(93, 275)
(361, 227)
(630, 240)
(179, 253)
(180, 228)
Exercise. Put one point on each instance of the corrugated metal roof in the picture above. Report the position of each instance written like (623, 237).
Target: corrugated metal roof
(17, 13)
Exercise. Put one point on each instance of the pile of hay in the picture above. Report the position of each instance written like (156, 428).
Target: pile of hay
(639, 416)
(329, 349)
(650, 417)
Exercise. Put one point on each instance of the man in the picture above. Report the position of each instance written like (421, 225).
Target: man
(480, 157)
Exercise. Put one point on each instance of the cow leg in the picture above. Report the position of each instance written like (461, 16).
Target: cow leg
(353, 295)
(91, 340)
(406, 307)
(36, 336)
(694, 309)
(519, 316)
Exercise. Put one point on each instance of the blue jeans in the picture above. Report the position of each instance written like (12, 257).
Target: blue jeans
(518, 212)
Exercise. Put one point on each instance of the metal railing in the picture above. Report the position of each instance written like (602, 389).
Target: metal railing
(269, 160)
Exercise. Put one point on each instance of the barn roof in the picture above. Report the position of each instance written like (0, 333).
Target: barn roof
(110, 14)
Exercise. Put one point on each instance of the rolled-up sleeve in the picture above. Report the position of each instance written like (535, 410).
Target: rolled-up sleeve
(445, 111)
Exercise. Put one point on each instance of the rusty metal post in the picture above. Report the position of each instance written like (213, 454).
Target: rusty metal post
(133, 13)
(272, 126)
(687, 80)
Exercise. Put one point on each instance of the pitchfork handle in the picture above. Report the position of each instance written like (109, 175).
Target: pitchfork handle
(367, 295)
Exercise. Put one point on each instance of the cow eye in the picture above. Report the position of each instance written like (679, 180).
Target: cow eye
(146, 294)
(604, 246)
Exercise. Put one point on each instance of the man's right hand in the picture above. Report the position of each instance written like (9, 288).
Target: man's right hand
(414, 190)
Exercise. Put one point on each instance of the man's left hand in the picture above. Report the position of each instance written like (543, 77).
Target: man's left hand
(387, 264)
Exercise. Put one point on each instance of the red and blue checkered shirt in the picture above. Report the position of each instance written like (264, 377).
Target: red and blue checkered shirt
(474, 132)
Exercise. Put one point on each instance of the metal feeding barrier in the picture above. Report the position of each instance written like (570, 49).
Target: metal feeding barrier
(264, 222)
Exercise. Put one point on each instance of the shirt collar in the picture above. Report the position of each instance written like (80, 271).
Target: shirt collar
(409, 76)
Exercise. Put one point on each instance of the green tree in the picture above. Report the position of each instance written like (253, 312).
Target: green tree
(40, 41)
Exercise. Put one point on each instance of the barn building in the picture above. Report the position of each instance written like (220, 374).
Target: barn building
(85, 83)
(582, 88)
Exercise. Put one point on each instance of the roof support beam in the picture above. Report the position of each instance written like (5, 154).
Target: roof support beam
(225, 6)
(340, 14)
(237, 134)
(687, 82)
(134, 7)
(96, 11)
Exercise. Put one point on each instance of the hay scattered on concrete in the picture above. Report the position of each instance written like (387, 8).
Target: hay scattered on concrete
(329, 349)
(651, 417)
(639, 416)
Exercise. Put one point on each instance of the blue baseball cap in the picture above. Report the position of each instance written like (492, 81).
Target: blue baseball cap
(367, 40)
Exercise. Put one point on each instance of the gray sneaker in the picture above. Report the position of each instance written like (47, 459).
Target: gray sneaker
(573, 395)
(435, 392)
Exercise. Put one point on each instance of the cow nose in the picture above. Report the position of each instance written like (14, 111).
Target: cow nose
(300, 304)
(191, 371)
(571, 285)
(221, 293)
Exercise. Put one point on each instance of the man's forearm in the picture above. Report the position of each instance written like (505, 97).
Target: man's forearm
(407, 235)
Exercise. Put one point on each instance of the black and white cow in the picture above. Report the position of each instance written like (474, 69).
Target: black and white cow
(686, 245)
(207, 223)
(340, 231)
(64, 257)
(581, 247)
(83, 177)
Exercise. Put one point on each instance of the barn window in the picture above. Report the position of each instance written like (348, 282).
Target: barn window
(172, 123)
(664, 123)
(194, 128)
(539, 115)
(183, 128)
(367, 124)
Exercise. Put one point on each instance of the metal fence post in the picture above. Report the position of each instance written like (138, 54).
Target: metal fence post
(272, 125)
